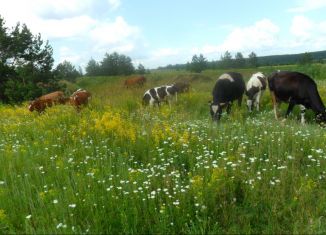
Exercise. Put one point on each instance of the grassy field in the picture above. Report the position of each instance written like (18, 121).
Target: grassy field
(118, 167)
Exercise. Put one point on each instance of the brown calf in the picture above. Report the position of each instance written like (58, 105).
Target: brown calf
(135, 81)
(47, 100)
(39, 105)
(182, 86)
(79, 98)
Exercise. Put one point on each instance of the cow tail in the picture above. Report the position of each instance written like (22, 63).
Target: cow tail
(270, 80)
(316, 102)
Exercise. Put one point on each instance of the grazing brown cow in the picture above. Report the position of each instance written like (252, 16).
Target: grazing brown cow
(135, 81)
(39, 105)
(56, 97)
(182, 86)
(47, 100)
(79, 98)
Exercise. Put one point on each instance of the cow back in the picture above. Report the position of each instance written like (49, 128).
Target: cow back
(229, 86)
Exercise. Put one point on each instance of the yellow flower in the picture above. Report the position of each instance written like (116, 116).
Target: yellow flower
(197, 182)
(217, 174)
(42, 195)
(2, 215)
(116, 125)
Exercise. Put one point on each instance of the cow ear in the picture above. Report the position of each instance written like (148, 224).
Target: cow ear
(210, 102)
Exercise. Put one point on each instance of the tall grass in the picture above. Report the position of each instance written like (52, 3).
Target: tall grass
(118, 167)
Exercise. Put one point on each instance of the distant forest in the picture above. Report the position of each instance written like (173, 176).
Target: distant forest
(272, 60)
(318, 56)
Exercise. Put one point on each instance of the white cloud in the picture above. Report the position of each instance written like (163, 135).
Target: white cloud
(64, 28)
(112, 32)
(67, 54)
(308, 5)
(115, 35)
(260, 35)
(308, 33)
(301, 27)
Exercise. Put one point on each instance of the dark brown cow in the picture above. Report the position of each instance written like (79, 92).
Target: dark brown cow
(79, 98)
(135, 81)
(47, 100)
(296, 89)
(182, 86)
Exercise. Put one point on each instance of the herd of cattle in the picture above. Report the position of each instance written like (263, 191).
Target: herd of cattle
(290, 87)
(77, 99)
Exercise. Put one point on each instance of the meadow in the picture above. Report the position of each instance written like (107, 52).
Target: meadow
(119, 167)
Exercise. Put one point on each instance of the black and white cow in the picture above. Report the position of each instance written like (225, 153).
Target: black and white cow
(296, 89)
(229, 87)
(158, 94)
(255, 89)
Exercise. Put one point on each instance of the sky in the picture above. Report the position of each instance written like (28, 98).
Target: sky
(161, 32)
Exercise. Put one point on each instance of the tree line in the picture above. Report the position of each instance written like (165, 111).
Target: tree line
(113, 64)
(199, 63)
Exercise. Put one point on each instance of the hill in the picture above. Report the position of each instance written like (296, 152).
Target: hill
(289, 58)
(271, 60)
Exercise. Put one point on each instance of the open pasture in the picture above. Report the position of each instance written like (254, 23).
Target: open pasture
(117, 167)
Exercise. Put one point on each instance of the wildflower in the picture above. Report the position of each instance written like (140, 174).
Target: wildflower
(55, 201)
(2, 214)
(28, 216)
(72, 205)
(176, 203)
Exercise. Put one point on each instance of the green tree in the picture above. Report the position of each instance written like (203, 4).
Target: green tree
(141, 69)
(92, 68)
(66, 71)
(226, 60)
(116, 64)
(25, 62)
(239, 61)
(306, 58)
(252, 60)
(198, 63)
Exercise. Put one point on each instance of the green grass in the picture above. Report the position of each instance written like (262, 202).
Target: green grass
(118, 167)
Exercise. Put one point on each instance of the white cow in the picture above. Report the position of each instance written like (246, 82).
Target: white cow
(255, 89)
(158, 94)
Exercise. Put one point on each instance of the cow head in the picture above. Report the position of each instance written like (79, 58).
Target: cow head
(215, 110)
(31, 106)
(250, 105)
(251, 94)
(321, 118)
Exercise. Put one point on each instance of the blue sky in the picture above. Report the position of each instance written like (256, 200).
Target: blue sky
(158, 33)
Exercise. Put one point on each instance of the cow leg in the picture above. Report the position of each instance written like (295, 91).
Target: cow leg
(240, 101)
(258, 100)
(290, 108)
(169, 100)
(219, 113)
(275, 105)
(228, 108)
(302, 113)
